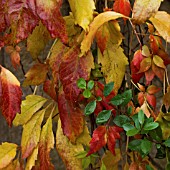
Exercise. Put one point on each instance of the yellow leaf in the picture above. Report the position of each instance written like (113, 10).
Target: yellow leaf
(113, 63)
(31, 134)
(28, 107)
(143, 10)
(45, 145)
(111, 161)
(95, 25)
(37, 41)
(14, 165)
(7, 153)
(68, 151)
(31, 159)
(82, 12)
(161, 22)
(145, 109)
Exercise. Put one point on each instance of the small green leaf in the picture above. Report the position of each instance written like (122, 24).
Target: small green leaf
(132, 132)
(127, 95)
(136, 120)
(167, 142)
(90, 84)
(120, 120)
(117, 100)
(129, 110)
(90, 107)
(108, 88)
(148, 167)
(146, 146)
(128, 126)
(99, 98)
(141, 117)
(81, 83)
(81, 154)
(135, 145)
(151, 126)
(87, 93)
(103, 116)
(103, 167)
(86, 162)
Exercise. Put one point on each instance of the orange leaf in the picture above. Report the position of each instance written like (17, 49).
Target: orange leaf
(159, 72)
(145, 64)
(149, 75)
(10, 95)
(152, 89)
(15, 59)
(141, 98)
(145, 109)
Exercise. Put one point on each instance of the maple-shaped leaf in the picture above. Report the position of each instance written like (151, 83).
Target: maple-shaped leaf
(37, 41)
(160, 22)
(123, 7)
(31, 159)
(108, 32)
(99, 139)
(113, 63)
(31, 134)
(95, 25)
(143, 10)
(46, 143)
(71, 116)
(7, 153)
(10, 95)
(71, 69)
(83, 16)
(67, 150)
(29, 107)
(50, 15)
(36, 75)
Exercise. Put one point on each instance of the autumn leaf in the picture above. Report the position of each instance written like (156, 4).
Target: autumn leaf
(36, 75)
(10, 95)
(50, 15)
(160, 22)
(123, 7)
(37, 41)
(113, 63)
(83, 16)
(46, 143)
(28, 108)
(71, 117)
(67, 150)
(15, 164)
(95, 25)
(7, 153)
(143, 10)
(31, 134)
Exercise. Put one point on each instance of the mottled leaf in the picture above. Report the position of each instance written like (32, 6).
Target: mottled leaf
(152, 89)
(143, 10)
(160, 22)
(82, 12)
(7, 153)
(158, 61)
(29, 107)
(145, 64)
(10, 95)
(31, 134)
(36, 75)
(46, 143)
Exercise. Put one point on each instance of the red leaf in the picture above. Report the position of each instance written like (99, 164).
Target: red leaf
(152, 89)
(123, 7)
(98, 139)
(113, 134)
(71, 117)
(149, 75)
(151, 100)
(10, 95)
(165, 57)
(50, 15)
(155, 43)
(141, 98)
(159, 72)
(99, 108)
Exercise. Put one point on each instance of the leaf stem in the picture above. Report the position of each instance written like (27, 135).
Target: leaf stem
(49, 53)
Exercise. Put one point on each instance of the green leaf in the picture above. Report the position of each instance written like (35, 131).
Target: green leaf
(136, 120)
(108, 88)
(81, 154)
(103, 116)
(141, 117)
(90, 84)
(86, 162)
(127, 95)
(151, 126)
(103, 167)
(128, 126)
(99, 98)
(148, 167)
(132, 132)
(87, 93)
(146, 146)
(81, 83)
(90, 107)
(120, 120)
(135, 145)
(129, 110)
(167, 142)
(117, 100)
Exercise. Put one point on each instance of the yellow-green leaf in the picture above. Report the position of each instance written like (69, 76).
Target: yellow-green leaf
(45, 145)
(94, 26)
(113, 63)
(37, 41)
(68, 151)
(143, 10)
(7, 153)
(82, 12)
(31, 133)
(31, 159)
(161, 22)
(28, 107)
